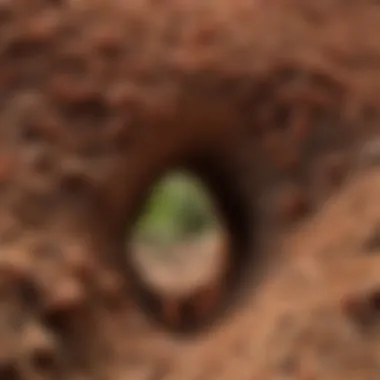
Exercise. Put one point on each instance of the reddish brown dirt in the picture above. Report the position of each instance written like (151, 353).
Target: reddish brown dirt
(315, 316)
(272, 104)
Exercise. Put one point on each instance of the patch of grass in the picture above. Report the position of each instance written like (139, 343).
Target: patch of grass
(179, 208)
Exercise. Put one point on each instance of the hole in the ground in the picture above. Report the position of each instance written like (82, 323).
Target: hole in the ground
(192, 245)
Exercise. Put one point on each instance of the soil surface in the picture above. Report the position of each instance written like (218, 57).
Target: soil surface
(268, 103)
(315, 316)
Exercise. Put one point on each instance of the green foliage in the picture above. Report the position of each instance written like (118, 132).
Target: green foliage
(177, 209)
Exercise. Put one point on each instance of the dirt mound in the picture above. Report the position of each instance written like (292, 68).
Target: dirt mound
(272, 105)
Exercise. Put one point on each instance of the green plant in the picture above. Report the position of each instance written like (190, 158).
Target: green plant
(177, 209)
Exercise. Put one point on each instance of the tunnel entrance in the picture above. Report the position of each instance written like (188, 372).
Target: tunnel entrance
(192, 244)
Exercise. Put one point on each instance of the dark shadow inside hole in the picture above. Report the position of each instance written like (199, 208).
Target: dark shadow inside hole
(236, 210)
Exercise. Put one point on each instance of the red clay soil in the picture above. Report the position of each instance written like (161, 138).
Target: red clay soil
(274, 105)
